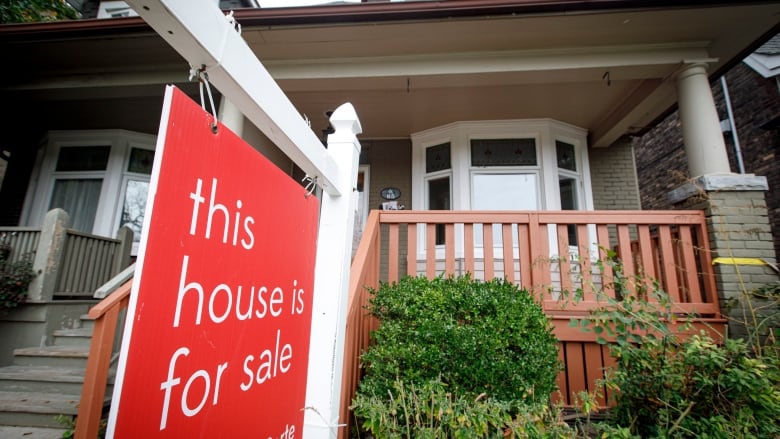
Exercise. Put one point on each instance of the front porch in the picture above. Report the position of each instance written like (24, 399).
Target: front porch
(554, 255)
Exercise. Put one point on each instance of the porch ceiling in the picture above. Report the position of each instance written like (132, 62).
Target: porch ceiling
(409, 76)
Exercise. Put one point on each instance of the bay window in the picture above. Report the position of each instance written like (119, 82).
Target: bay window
(537, 164)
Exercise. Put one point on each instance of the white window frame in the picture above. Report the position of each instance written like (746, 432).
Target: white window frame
(111, 200)
(459, 134)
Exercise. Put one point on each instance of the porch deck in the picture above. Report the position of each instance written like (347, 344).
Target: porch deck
(553, 255)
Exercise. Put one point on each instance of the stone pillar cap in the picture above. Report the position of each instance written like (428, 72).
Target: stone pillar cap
(718, 182)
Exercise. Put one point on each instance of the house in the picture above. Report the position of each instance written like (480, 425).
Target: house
(493, 105)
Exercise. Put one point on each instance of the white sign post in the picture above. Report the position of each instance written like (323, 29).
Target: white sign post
(200, 32)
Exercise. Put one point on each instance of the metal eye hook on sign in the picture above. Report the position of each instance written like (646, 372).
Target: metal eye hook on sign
(203, 81)
(311, 185)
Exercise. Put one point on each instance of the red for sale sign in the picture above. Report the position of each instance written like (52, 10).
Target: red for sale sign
(217, 336)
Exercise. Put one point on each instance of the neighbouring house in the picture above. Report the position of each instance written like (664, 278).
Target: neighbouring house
(522, 111)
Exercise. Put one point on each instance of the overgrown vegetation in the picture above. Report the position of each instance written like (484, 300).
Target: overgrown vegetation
(672, 381)
(448, 350)
(15, 278)
(454, 357)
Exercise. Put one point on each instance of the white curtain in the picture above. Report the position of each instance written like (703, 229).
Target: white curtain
(78, 197)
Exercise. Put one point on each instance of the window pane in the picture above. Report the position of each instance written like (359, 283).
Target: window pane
(437, 158)
(141, 161)
(439, 194)
(566, 158)
(135, 206)
(568, 188)
(83, 158)
(568, 191)
(503, 152)
(79, 198)
(439, 199)
(502, 192)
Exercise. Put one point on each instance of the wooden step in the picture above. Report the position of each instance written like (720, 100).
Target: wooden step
(36, 409)
(73, 337)
(7, 431)
(68, 380)
(54, 356)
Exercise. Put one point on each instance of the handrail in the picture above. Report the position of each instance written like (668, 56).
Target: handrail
(364, 272)
(106, 315)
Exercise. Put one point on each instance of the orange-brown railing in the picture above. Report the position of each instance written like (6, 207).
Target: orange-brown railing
(106, 315)
(553, 255)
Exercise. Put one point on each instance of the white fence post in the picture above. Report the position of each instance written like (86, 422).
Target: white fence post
(331, 282)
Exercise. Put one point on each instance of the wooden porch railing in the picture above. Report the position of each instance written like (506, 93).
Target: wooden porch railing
(551, 254)
(104, 336)
(72, 264)
(22, 240)
(87, 262)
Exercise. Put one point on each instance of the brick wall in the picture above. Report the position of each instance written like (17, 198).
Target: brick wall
(738, 228)
(661, 162)
(613, 177)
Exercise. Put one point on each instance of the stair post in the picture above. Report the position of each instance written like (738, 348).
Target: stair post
(48, 255)
(122, 256)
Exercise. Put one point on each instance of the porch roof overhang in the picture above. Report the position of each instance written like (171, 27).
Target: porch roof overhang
(606, 66)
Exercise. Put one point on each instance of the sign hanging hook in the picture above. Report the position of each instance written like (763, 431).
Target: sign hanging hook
(311, 185)
(203, 81)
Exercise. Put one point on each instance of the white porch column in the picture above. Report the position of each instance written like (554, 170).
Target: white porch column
(231, 116)
(703, 139)
(331, 283)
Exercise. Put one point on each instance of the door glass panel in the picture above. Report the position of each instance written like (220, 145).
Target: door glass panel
(79, 198)
(134, 207)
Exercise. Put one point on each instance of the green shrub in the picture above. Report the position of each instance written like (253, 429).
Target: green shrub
(476, 337)
(15, 278)
(669, 385)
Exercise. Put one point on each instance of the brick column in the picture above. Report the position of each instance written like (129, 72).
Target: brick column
(740, 234)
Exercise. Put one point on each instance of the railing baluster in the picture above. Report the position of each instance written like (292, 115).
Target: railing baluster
(710, 293)
(626, 257)
(508, 246)
(564, 262)
(430, 250)
(583, 249)
(487, 250)
(690, 270)
(449, 249)
(411, 249)
(607, 278)
(668, 268)
(647, 268)
(468, 247)
(392, 250)
(524, 252)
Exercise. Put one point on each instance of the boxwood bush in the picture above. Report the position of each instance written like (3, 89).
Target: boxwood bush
(476, 337)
